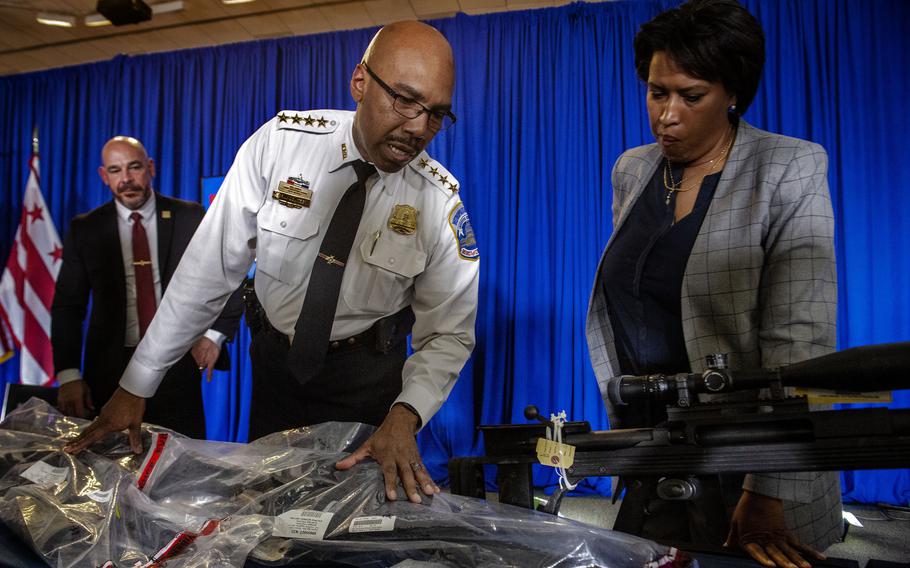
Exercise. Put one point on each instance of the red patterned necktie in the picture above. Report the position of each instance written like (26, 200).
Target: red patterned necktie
(142, 268)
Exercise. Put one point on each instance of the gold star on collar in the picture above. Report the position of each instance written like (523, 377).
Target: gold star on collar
(322, 122)
(444, 180)
(434, 171)
(423, 162)
(309, 120)
(282, 117)
(296, 118)
(453, 187)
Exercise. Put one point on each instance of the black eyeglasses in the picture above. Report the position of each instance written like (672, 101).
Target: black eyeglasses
(409, 108)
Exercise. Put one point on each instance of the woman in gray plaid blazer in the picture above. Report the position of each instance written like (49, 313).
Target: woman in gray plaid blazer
(722, 243)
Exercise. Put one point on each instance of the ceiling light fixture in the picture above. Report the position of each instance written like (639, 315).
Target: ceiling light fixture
(166, 7)
(96, 20)
(229, 2)
(59, 20)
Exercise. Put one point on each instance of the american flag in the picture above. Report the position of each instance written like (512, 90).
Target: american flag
(27, 286)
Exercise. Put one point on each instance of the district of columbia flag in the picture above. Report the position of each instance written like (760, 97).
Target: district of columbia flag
(27, 286)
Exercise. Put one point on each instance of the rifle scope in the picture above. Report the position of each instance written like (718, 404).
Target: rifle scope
(869, 368)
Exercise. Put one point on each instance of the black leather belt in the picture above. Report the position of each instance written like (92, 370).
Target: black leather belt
(367, 337)
(393, 327)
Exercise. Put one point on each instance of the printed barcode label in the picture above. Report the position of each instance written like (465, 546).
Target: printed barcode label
(42, 473)
(372, 524)
(306, 525)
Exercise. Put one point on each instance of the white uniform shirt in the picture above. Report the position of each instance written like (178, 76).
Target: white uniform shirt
(434, 270)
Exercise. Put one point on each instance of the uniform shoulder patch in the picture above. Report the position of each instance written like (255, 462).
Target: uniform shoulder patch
(433, 171)
(464, 233)
(315, 121)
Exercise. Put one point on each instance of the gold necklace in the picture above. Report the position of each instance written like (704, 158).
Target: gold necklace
(672, 186)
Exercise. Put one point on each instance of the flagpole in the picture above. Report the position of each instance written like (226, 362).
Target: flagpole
(35, 139)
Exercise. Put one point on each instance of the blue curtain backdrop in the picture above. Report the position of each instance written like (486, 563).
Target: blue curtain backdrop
(547, 100)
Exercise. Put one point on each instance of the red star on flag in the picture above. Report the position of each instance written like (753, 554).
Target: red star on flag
(57, 253)
(36, 213)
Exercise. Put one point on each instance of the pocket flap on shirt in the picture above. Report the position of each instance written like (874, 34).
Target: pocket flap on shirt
(289, 222)
(394, 257)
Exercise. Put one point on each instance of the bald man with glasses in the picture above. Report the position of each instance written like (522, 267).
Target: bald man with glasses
(360, 238)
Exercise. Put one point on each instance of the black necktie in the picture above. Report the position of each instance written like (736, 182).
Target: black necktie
(314, 325)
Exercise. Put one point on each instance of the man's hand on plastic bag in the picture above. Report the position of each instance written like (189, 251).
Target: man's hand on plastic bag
(758, 528)
(394, 448)
(124, 410)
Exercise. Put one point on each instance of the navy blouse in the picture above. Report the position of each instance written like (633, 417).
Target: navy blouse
(642, 277)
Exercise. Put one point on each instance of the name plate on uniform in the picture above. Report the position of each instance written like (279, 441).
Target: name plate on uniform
(292, 195)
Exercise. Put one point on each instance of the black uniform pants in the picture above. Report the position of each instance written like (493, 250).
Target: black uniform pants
(358, 383)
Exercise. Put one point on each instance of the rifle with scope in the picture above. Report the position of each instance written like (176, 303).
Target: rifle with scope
(778, 434)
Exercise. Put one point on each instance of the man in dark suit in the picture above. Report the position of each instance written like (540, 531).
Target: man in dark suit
(123, 254)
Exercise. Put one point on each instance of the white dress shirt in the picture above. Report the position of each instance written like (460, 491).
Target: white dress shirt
(434, 269)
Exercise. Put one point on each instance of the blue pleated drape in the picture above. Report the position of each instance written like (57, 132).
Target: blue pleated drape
(547, 100)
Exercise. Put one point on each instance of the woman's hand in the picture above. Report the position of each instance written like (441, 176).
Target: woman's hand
(758, 528)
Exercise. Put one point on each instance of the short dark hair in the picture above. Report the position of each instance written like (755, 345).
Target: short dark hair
(714, 40)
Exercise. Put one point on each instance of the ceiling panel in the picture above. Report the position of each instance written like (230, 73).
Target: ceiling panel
(6, 65)
(426, 9)
(205, 10)
(530, 4)
(306, 21)
(225, 31)
(477, 6)
(44, 56)
(26, 45)
(184, 38)
(87, 52)
(347, 15)
(387, 11)
(271, 25)
(148, 42)
(288, 3)
(108, 46)
(22, 62)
